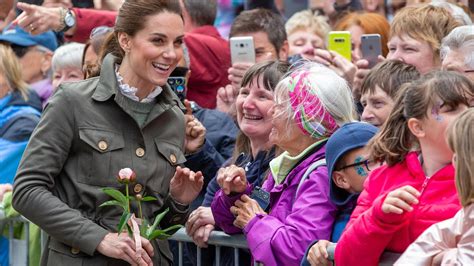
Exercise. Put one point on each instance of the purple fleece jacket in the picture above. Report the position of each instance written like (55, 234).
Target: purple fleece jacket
(294, 221)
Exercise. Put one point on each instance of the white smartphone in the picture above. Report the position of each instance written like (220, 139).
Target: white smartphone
(242, 49)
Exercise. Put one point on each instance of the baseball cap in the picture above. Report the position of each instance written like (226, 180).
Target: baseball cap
(348, 137)
(16, 35)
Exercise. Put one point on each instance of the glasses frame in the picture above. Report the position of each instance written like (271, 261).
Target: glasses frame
(365, 162)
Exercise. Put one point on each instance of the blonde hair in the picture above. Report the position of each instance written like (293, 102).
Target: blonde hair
(11, 69)
(395, 140)
(306, 20)
(426, 23)
(460, 136)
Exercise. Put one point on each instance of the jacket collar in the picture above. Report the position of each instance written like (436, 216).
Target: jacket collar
(416, 169)
(108, 85)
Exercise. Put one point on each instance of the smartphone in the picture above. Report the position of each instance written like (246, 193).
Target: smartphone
(340, 42)
(371, 47)
(242, 49)
(177, 82)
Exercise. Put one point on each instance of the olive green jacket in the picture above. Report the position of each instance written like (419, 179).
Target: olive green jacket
(84, 138)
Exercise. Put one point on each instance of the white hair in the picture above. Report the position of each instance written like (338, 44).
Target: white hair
(68, 56)
(462, 39)
(457, 12)
(332, 91)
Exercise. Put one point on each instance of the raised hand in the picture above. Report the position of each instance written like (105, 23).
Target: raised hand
(195, 131)
(401, 200)
(232, 179)
(186, 185)
(38, 19)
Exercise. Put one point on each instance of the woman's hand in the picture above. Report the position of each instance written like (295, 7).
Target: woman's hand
(185, 185)
(318, 254)
(123, 247)
(225, 99)
(336, 62)
(195, 131)
(198, 218)
(38, 19)
(400, 200)
(232, 179)
(236, 73)
(201, 235)
(245, 210)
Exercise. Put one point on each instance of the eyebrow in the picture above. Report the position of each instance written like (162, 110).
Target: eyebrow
(165, 36)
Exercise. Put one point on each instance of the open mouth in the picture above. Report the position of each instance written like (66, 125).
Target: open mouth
(161, 67)
(252, 117)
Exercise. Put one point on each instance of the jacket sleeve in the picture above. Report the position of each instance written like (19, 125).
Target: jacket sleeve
(220, 208)
(88, 19)
(42, 161)
(369, 230)
(311, 218)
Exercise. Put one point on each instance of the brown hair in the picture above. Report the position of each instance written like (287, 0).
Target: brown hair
(10, 68)
(395, 139)
(389, 77)
(131, 19)
(426, 23)
(460, 136)
(263, 20)
(371, 23)
(271, 73)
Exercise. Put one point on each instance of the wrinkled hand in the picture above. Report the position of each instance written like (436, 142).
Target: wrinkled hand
(400, 200)
(38, 19)
(198, 218)
(201, 235)
(123, 247)
(185, 185)
(318, 254)
(237, 72)
(195, 131)
(245, 210)
(225, 99)
(232, 179)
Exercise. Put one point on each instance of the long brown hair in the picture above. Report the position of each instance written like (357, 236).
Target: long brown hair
(395, 139)
(460, 136)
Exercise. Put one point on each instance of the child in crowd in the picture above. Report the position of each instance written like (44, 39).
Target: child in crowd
(450, 242)
(348, 167)
(415, 188)
(380, 87)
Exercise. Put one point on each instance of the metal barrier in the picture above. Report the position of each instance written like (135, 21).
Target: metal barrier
(17, 255)
(218, 239)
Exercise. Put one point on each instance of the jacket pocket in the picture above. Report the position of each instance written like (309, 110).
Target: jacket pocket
(61, 254)
(171, 156)
(102, 156)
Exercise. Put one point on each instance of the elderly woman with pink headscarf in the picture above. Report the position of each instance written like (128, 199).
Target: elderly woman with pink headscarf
(292, 208)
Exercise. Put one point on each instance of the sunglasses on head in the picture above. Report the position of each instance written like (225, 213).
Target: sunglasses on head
(100, 31)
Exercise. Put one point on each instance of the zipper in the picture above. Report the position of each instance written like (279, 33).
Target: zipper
(425, 183)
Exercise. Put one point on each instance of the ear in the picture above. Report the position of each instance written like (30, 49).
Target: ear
(340, 180)
(416, 127)
(124, 41)
(46, 62)
(284, 50)
(453, 160)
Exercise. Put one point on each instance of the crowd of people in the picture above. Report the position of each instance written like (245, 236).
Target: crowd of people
(315, 156)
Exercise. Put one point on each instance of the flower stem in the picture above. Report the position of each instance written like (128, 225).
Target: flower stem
(140, 209)
(128, 199)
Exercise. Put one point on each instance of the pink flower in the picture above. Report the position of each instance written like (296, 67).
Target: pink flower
(126, 175)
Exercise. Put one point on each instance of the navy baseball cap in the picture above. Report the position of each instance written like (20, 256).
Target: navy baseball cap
(16, 35)
(348, 137)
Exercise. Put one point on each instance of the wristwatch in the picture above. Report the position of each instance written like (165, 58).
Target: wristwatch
(67, 20)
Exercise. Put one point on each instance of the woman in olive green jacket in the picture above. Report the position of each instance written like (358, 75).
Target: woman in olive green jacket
(126, 117)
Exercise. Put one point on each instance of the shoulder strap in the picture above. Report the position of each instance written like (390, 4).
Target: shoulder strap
(310, 169)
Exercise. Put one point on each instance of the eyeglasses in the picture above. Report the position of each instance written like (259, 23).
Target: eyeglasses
(369, 165)
(99, 31)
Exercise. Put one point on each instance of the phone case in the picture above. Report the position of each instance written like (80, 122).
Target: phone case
(242, 49)
(340, 42)
(371, 47)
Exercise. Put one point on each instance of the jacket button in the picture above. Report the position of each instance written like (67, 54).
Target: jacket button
(102, 145)
(173, 158)
(137, 188)
(140, 152)
(75, 251)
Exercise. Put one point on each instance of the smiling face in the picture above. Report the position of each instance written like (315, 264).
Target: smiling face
(253, 104)
(153, 53)
(414, 52)
(377, 106)
(304, 42)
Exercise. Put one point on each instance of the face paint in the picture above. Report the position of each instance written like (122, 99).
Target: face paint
(360, 170)
(435, 111)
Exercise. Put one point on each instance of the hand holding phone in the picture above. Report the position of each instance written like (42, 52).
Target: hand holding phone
(242, 49)
(371, 47)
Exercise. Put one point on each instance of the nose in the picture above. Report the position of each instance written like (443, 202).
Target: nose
(367, 115)
(249, 102)
(395, 55)
(170, 52)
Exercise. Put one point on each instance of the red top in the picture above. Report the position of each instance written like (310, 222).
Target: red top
(370, 231)
(210, 59)
(88, 19)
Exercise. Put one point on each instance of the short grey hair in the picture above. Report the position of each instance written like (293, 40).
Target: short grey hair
(201, 12)
(462, 39)
(332, 90)
(68, 56)
(457, 12)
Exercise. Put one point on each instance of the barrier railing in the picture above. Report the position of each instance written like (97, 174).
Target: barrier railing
(18, 248)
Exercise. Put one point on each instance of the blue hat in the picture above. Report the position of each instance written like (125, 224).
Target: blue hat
(16, 35)
(348, 137)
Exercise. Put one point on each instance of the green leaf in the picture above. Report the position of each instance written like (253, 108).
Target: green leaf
(144, 227)
(158, 219)
(112, 203)
(160, 234)
(149, 198)
(123, 221)
(164, 236)
(172, 228)
(117, 195)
